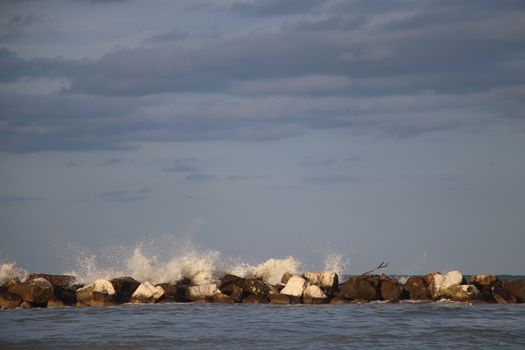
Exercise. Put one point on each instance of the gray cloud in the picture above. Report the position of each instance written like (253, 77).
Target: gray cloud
(16, 199)
(331, 179)
(124, 195)
(410, 68)
(183, 165)
(275, 7)
(199, 177)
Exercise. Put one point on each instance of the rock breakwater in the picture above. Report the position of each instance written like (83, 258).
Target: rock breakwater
(44, 290)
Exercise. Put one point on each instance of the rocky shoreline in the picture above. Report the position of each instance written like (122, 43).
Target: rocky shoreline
(44, 290)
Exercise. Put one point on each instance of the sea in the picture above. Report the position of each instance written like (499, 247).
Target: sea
(438, 325)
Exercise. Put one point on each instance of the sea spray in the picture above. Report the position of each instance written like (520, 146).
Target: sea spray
(270, 271)
(9, 270)
(336, 263)
(170, 259)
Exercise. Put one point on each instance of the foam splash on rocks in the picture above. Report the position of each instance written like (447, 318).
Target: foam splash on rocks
(270, 271)
(9, 271)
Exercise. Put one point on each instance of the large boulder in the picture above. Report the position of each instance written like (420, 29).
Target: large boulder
(286, 277)
(416, 288)
(361, 288)
(124, 288)
(9, 300)
(389, 288)
(463, 292)
(295, 286)
(62, 281)
(203, 292)
(37, 291)
(314, 295)
(99, 293)
(245, 289)
(147, 293)
(441, 283)
(284, 299)
(325, 280)
(63, 289)
(515, 288)
(502, 296)
(483, 280)
(173, 293)
(485, 284)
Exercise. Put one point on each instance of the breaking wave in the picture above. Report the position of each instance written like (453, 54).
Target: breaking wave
(171, 259)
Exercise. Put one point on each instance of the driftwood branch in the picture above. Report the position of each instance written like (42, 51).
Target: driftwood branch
(379, 267)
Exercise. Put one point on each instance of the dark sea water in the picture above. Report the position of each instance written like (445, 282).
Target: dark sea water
(244, 326)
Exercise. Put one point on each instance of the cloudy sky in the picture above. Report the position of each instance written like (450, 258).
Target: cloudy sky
(383, 130)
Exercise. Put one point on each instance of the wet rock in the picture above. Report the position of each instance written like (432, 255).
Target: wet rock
(37, 291)
(203, 292)
(63, 287)
(63, 281)
(253, 286)
(295, 286)
(9, 283)
(283, 299)
(26, 305)
(222, 299)
(256, 299)
(55, 303)
(239, 288)
(314, 295)
(173, 293)
(338, 299)
(416, 288)
(124, 288)
(99, 293)
(361, 287)
(9, 300)
(515, 288)
(233, 286)
(485, 283)
(390, 289)
(147, 293)
(483, 280)
(441, 283)
(463, 292)
(286, 277)
(327, 279)
(502, 296)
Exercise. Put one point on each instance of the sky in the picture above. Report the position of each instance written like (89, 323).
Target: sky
(380, 130)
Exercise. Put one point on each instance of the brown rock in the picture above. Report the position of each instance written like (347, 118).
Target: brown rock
(37, 291)
(9, 300)
(483, 280)
(98, 293)
(502, 296)
(124, 288)
(256, 299)
(223, 299)
(55, 303)
(286, 277)
(63, 281)
(26, 305)
(463, 292)
(349, 289)
(337, 300)
(361, 287)
(173, 293)
(416, 288)
(515, 288)
(390, 289)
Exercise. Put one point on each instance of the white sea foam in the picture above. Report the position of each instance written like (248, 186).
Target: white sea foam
(9, 271)
(171, 259)
(270, 271)
(337, 263)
